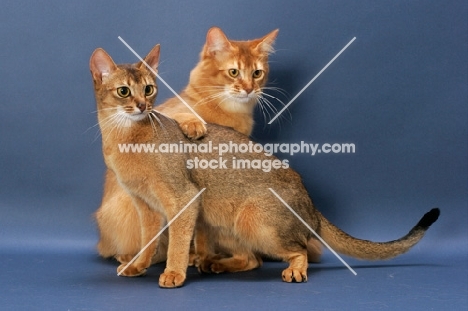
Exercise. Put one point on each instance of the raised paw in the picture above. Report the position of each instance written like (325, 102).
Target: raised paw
(131, 271)
(193, 129)
(294, 275)
(171, 279)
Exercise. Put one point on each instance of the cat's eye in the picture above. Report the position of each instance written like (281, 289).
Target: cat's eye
(123, 91)
(234, 72)
(149, 90)
(257, 74)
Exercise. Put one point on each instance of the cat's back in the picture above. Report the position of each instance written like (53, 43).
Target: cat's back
(222, 134)
(246, 159)
(243, 173)
(232, 154)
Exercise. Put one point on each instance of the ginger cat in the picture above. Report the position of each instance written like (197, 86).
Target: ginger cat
(237, 202)
(225, 85)
(223, 88)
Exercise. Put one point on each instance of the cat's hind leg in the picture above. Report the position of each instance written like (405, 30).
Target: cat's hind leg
(297, 270)
(235, 257)
(124, 259)
(314, 250)
(274, 239)
(240, 261)
(218, 251)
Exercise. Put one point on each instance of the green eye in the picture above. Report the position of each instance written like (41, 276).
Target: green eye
(149, 90)
(257, 74)
(233, 72)
(123, 91)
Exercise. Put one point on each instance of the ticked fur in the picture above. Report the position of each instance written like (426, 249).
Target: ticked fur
(236, 202)
(218, 98)
(225, 85)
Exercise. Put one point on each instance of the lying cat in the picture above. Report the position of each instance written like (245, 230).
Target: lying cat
(224, 88)
(236, 202)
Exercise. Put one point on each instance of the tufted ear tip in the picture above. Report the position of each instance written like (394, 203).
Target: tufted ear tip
(266, 43)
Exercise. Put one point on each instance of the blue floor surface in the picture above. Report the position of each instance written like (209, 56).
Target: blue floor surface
(80, 280)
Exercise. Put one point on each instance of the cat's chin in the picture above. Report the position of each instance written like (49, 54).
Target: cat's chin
(137, 117)
(239, 104)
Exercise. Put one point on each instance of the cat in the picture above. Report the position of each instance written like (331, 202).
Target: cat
(236, 202)
(223, 88)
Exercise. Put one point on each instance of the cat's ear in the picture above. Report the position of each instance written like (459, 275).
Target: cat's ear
(265, 44)
(152, 59)
(101, 65)
(216, 41)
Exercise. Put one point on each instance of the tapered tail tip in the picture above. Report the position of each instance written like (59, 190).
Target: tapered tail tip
(429, 218)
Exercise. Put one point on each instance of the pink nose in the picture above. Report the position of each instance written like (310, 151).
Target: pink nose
(248, 90)
(141, 106)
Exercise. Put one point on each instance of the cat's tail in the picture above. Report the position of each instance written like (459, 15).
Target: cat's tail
(345, 244)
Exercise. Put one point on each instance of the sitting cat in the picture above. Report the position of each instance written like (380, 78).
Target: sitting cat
(223, 88)
(236, 202)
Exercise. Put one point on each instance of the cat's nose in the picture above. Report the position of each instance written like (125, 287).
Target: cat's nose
(248, 90)
(141, 106)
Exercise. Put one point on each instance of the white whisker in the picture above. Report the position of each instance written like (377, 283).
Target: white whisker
(277, 89)
(224, 98)
(153, 114)
(210, 98)
(103, 124)
(262, 109)
(118, 120)
(153, 126)
(266, 106)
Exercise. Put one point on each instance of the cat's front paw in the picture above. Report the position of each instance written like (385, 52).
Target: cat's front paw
(294, 275)
(131, 271)
(193, 129)
(171, 279)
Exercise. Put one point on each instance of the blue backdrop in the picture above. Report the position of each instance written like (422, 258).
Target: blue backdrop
(398, 92)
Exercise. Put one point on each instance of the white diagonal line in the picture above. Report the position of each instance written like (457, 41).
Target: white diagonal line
(310, 82)
(162, 80)
(313, 231)
(161, 231)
